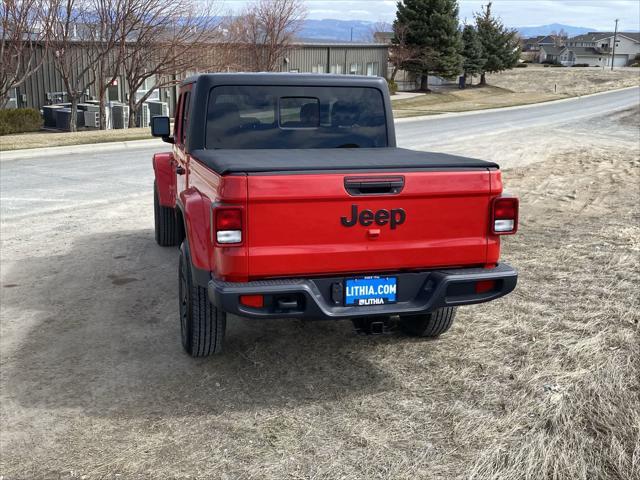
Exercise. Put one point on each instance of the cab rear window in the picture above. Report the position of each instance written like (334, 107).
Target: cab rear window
(254, 117)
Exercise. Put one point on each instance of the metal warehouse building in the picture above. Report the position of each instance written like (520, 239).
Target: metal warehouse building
(45, 87)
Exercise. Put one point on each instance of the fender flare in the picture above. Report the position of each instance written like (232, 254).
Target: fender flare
(195, 212)
(164, 169)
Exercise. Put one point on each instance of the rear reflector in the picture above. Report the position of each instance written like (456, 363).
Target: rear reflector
(485, 286)
(255, 301)
(504, 215)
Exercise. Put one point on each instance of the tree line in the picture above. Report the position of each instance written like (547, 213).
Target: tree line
(149, 43)
(429, 41)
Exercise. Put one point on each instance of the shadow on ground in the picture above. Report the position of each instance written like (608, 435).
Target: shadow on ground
(104, 337)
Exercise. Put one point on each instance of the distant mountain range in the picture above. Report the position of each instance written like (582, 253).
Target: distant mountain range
(338, 30)
(553, 27)
(360, 30)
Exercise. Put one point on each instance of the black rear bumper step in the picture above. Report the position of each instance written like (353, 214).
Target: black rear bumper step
(315, 298)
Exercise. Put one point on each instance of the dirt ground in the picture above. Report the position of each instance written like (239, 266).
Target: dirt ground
(519, 86)
(544, 383)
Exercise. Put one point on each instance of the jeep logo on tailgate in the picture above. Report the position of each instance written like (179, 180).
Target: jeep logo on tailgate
(394, 217)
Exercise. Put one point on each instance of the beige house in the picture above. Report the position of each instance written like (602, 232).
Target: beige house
(596, 48)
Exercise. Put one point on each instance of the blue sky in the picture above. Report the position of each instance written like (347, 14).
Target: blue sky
(598, 14)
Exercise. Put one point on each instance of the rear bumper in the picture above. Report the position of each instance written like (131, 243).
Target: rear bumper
(321, 298)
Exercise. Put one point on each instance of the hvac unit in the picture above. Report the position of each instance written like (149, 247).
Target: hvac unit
(143, 116)
(158, 108)
(120, 116)
(49, 115)
(63, 117)
(92, 119)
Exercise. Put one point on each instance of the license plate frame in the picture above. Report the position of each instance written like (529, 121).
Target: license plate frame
(370, 291)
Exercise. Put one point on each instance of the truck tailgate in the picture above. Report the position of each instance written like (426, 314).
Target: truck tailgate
(295, 223)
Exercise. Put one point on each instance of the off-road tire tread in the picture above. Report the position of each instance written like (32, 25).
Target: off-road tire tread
(208, 324)
(166, 222)
(430, 325)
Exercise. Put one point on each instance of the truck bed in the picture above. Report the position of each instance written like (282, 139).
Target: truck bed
(226, 162)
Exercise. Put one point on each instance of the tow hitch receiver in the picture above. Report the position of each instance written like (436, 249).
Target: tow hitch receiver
(373, 326)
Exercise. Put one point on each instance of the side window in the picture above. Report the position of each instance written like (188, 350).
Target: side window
(184, 125)
(176, 120)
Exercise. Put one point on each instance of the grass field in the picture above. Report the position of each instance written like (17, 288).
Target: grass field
(61, 139)
(541, 385)
(520, 86)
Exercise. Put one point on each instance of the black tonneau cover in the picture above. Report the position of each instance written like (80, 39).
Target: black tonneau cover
(301, 160)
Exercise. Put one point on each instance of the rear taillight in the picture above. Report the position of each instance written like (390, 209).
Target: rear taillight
(228, 224)
(504, 216)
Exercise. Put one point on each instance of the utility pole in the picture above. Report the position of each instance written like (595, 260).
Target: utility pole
(615, 37)
(352, 33)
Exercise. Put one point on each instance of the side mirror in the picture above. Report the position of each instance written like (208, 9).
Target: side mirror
(160, 127)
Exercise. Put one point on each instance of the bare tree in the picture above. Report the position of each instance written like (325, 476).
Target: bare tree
(265, 30)
(71, 59)
(107, 29)
(379, 27)
(169, 38)
(401, 51)
(24, 35)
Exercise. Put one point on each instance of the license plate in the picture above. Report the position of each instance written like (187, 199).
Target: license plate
(370, 291)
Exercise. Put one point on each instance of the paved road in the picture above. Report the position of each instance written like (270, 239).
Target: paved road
(68, 181)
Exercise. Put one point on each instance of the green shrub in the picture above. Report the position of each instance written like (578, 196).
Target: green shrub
(580, 65)
(393, 87)
(522, 65)
(19, 120)
(556, 65)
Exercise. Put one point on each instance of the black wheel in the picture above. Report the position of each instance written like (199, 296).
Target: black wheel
(429, 325)
(166, 222)
(202, 325)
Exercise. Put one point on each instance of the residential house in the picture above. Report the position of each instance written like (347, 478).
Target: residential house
(553, 54)
(596, 48)
(531, 47)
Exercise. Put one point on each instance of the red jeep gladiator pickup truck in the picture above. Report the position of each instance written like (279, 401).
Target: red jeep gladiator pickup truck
(289, 199)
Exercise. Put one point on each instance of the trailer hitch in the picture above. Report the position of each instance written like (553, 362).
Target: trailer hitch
(374, 326)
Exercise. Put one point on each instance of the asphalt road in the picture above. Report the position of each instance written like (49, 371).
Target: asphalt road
(44, 185)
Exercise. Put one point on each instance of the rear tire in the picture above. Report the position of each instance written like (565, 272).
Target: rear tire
(165, 221)
(429, 325)
(202, 325)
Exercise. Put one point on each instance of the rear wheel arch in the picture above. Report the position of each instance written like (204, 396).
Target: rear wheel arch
(193, 211)
(165, 178)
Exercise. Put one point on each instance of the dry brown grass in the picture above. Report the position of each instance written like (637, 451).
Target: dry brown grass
(541, 385)
(61, 139)
(573, 411)
(567, 81)
(451, 99)
(519, 86)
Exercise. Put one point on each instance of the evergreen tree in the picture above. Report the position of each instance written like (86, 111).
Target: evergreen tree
(500, 44)
(432, 29)
(472, 52)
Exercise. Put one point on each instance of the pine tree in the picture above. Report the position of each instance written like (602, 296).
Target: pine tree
(500, 44)
(472, 52)
(432, 29)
